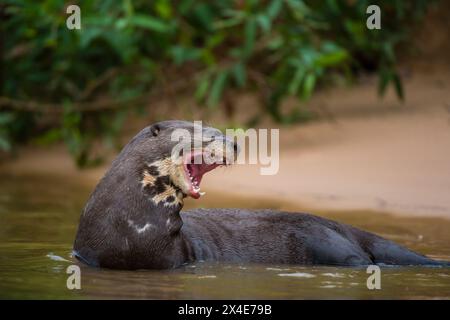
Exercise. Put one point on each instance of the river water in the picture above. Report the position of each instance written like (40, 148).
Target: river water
(39, 217)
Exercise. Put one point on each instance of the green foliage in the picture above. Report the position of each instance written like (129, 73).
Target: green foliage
(278, 48)
(5, 120)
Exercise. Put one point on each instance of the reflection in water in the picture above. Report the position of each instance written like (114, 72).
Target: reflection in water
(39, 217)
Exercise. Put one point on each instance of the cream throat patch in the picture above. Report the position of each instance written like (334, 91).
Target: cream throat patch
(156, 182)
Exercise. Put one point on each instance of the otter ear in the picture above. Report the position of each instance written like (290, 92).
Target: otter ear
(154, 130)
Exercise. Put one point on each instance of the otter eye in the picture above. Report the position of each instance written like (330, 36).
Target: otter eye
(155, 130)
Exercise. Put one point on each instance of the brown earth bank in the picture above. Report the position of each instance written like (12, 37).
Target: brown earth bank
(362, 152)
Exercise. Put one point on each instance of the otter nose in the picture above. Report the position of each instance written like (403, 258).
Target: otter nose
(232, 145)
(229, 143)
(232, 148)
(236, 148)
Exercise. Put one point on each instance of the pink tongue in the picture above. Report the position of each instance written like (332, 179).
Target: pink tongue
(198, 170)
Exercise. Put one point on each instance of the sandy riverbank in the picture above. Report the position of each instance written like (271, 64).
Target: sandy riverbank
(375, 154)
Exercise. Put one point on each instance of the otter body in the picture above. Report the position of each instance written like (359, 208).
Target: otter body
(267, 236)
(133, 220)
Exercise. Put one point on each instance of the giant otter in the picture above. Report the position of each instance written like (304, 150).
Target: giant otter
(133, 219)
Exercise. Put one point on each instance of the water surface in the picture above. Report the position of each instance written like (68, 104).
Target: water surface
(39, 217)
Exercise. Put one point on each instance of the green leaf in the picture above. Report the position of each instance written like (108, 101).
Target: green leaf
(398, 87)
(202, 88)
(182, 54)
(239, 74)
(217, 89)
(384, 79)
(294, 85)
(331, 59)
(128, 7)
(49, 137)
(5, 118)
(308, 85)
(149, 22)
(333, 7)
(275, 43)
(203, 14)
(102, 21)
(90, 34)
(388, 50)
(264, 22)
(249, 36)
(5, 144)
(227, 23)
(274, 8)
(164, 8)
(215, 40)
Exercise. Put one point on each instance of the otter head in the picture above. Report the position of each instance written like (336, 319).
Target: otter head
(173, 156)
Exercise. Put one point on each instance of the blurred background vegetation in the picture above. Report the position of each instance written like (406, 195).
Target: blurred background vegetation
(79, 86)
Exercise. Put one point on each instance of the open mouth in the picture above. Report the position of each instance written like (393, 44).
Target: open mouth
(195, 167)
